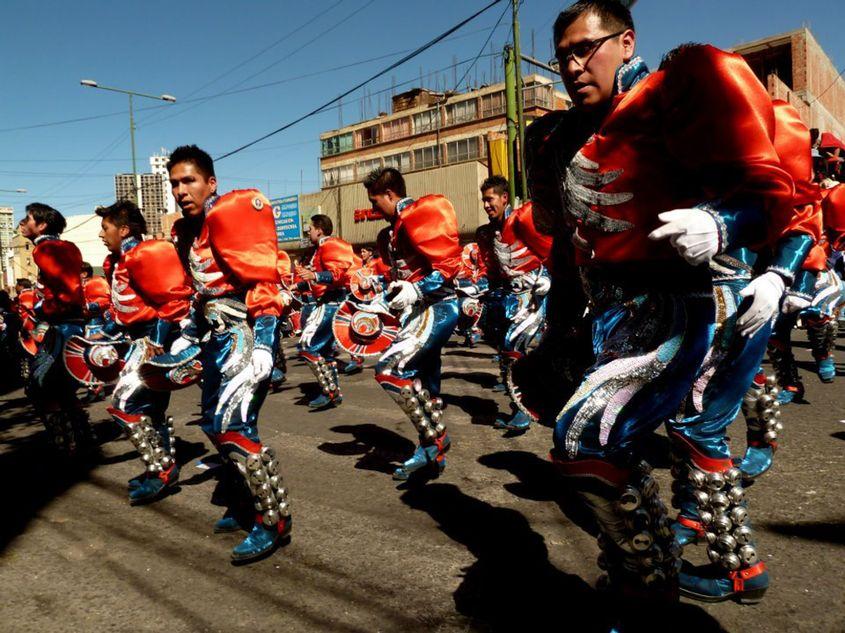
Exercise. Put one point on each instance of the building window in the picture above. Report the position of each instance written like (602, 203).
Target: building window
(425, 121)
(425, 157)
(368, 136)
(460, 112)
(402, 161)
(538, 95)
(366, 166)
(463, 150)
(334, 176)
(397, 128)
(337, 144)
(492, 104)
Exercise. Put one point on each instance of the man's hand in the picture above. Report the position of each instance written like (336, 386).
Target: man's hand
(306, 274)
(692, 232)
(262, 364)
(765, 291)
(794, 303)
(180, 345)
(542, 286)
(404, 294)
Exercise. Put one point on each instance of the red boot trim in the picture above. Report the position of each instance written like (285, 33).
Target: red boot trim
(607, 472)
(762, 444)
(692, 524)
(760, 378)
(242, 442)
(122, 417)
(512, 356)
(165, 475)
(707, 464)
(741, 575)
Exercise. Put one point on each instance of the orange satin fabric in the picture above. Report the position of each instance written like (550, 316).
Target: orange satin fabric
(833, 215)
(519, 227)
(283, 267)
(156, 273)
(59, 265)
(336, 256)
(96, 290)
(701, 129)
(430, 227)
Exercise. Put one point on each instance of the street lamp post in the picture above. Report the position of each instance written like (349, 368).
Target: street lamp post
(90, 83)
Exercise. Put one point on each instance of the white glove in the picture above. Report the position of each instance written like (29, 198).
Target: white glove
(542, 286)
(469, 291)
(794, 303)
(287, 297)
(766, 291)
(693, 232)
(180, 345)
(406, 296)
(262, 363)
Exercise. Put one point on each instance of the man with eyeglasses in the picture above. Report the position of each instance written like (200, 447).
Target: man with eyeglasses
(649, 177)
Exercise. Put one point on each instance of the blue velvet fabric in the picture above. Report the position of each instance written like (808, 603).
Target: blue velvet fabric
(50, 386)
(322, 341)
(790, 253)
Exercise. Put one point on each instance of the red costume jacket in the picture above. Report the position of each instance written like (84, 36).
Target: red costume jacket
(236, 252)
(425, 239)
(336, 257)
(149, 282)
(25, 306)
(59, 265)
(97, 295)
(701, 129)
(517, 248)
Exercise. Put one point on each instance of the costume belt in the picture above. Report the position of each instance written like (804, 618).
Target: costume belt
(224, 312)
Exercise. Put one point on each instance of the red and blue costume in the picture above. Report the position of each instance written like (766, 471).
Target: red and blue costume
(699, 132)
(332, 262)
(231, 256)
(423, 251)
(471, 285)
(61, 309)
(150, 295)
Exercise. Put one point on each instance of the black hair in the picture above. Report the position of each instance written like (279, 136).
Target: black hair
(125, 213)
(323, 222)
(499, 184)
(24, 283)
(87, 268)
(381, 180)
(192, 154)
(46, 214)
(614, 16)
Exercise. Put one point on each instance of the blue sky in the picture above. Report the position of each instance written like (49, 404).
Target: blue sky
(309, 52)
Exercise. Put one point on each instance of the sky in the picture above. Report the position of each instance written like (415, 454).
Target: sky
(276, 61)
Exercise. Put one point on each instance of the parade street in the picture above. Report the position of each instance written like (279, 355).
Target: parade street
(489, 543)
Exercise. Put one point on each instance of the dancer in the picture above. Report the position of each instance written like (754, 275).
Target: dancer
(228, 246)
(61, 313)
(471, 285)
(628, 135)
(326, 277)
(424, 256)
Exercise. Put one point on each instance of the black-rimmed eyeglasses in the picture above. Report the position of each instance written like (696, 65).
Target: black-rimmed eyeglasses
(583, 51)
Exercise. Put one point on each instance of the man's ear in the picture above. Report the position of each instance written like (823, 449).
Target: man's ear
(629, 44)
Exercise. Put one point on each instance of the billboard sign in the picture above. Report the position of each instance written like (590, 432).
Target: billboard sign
(286, 214)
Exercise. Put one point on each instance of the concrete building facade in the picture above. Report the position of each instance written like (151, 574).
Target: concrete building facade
(7, 234)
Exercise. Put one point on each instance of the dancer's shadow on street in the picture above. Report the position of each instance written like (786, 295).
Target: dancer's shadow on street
(380, 449)
(513, 586)
(832, 532)
(483, 379)
(480, 410)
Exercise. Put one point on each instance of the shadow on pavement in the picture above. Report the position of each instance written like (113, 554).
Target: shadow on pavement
(480, 410)
(481, 378)
(380, 449)
(821, 532)
(512, 584)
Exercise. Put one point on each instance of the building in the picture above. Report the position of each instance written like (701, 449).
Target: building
(793, 67)
(441, 142)
(7, 234)
(156, 198)
(22, 263)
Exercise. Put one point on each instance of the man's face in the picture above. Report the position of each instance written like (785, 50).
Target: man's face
(31, 229)
(384, 203)
(191, 188)
(494, 203)
(314, 234)
(587, 65)
(366, 254)
(112, 235)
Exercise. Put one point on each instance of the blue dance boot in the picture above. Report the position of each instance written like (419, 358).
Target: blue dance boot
(277, 377)
(826, 369)
(712, 583)
(352, 367)
(517, 421)
(324, 402)
(154, 487)
(261, 541)
(227, 523)
(756, 461)
(433, 455)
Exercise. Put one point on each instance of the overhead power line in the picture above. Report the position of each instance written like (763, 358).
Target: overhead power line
(386, 70)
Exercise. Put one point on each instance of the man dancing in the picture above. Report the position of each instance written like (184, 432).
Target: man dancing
(515, 254)
(150, 295)
(424, 256)
(326, 276)
(685, 153)
(228, 245)
(50, 388)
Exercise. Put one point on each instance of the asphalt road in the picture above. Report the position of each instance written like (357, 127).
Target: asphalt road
(492, 544)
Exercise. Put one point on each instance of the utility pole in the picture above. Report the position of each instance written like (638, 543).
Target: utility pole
(520, 117)
(511, 118)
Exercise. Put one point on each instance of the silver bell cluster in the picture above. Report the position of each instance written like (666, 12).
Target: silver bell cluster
(719, 497)
(148, 442)
(264, 480)
(326, 373)
(644, 538)
(69, 430)
(762, 410)
(424, 410)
